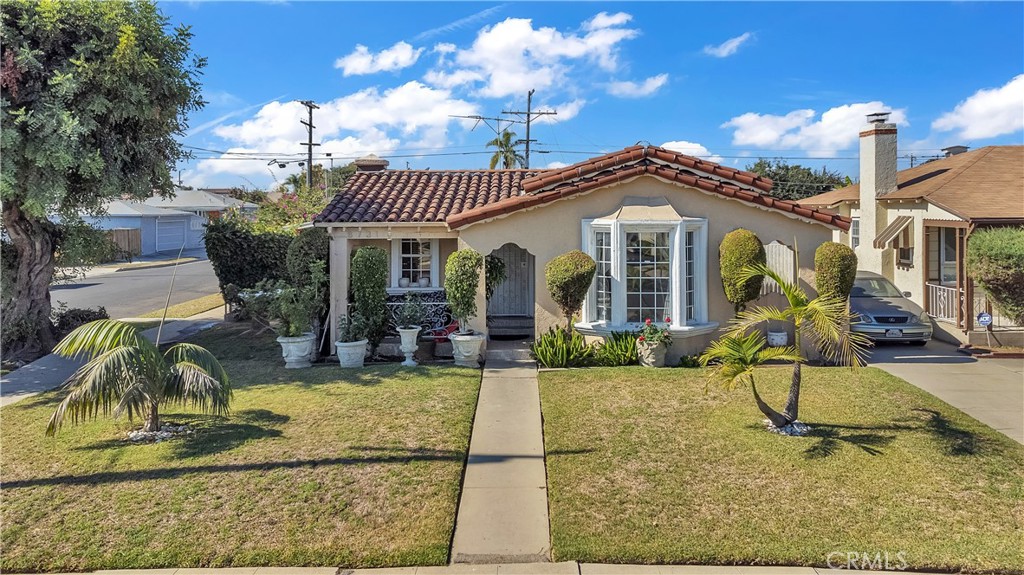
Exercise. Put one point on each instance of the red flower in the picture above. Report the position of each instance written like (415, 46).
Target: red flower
(647, 321)
(641, 338)
(668, 320)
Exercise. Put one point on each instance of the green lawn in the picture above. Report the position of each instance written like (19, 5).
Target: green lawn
(644, 467)
(321, 466)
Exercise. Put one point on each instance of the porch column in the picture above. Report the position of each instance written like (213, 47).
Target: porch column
(480, 322)
(339, 280)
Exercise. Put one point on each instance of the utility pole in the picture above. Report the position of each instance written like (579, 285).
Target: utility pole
(309, 145)
(529, 115)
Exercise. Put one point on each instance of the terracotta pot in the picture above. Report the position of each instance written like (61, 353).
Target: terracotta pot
(651, 355)
(297, 351)
(466, 348)
(351, 353)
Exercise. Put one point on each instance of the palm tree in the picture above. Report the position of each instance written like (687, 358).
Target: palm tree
(126, 373)
(506, 152)
(822, 323)
(734, 358)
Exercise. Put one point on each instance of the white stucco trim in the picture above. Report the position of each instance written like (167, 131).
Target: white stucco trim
(396, 265)
(606, 329)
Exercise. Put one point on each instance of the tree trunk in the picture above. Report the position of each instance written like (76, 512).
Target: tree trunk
(777, 419)
(26, 309)
(153, 418)
(793, 402)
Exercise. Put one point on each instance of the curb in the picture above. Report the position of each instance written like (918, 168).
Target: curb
(160, 264)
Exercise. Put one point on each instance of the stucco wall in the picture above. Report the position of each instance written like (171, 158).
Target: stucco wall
(556, 228)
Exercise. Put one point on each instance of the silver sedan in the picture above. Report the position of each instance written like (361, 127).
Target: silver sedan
(885, 314)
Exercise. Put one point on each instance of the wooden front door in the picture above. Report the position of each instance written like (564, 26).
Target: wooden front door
(514, 297)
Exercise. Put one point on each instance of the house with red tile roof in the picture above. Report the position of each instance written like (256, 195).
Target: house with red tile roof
(913, 226)
(651, 218)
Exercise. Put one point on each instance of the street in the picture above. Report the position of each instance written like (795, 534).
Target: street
(131, 293)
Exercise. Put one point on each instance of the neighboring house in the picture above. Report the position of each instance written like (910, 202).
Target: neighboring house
(150, 229)
(913, 226)
(651, 218)
(203, 203)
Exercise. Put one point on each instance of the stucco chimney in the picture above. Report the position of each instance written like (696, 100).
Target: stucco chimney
(877, 179)
(371, 163)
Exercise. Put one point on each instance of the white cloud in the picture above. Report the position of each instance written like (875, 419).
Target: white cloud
(362, 61)
(566, 111)
(729, 47)
(836, 129)
(555, 165)
(692, 149)
(987, 113)
(512, 57)
(638, 89)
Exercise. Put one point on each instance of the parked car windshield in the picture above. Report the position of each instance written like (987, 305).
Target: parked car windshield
(874, 287)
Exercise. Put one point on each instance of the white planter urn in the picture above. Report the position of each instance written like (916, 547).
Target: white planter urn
(297, 350)
(409, 345)
(466, 348)
(777, 338)
(351, 353)
(651, 355)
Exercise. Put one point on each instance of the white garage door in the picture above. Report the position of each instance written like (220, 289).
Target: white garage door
(170, 235)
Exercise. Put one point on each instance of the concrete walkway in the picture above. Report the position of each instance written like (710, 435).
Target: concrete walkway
(503, 510)
(50, 371)
(988, 389)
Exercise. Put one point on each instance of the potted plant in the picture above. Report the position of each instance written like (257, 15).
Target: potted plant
(652, 343)
(409, 317)
(290, 311)
(462, 277)
(351, 344)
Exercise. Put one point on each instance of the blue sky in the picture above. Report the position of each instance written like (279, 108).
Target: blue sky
(726, 81)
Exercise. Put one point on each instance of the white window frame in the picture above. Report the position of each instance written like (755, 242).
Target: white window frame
(854, 237)
(396, 265)
(679, 325)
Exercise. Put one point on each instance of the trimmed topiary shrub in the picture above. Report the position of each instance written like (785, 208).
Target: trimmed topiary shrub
(568, 277)
(995, 259)
(739, 250)
(461, 278)
(370, 292)
(310, 246)
(835, 268)
(242, 257)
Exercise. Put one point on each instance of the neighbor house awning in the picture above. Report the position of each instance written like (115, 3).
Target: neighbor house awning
(892, 230)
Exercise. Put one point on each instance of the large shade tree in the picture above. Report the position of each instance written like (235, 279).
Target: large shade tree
(93, 95)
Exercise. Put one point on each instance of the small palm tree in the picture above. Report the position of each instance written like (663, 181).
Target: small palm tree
(733, 359)
(506, 152)
(126, 373)
(822, 323)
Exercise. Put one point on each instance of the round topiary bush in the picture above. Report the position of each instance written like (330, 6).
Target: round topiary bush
(461, 278)
(835, 268)
(995, 258)
(739, 250)
(309, 246)
(568, 277)
(370, 292)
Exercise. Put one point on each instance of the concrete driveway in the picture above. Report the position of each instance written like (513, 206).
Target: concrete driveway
(989, 390)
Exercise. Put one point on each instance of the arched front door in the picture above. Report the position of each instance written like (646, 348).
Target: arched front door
(510, 311)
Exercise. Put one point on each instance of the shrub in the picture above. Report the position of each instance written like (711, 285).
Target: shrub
(412, 311)
(561, 348)
(370, 292)
(243, 257)
(288, 309)
(309, 246)
(689, 361)
(495, 274)
(66, 319)
(995, 258)
(739, 250)
(835, 268)
(617, 350)
(351, 329)
(461, 278)
(568, 277)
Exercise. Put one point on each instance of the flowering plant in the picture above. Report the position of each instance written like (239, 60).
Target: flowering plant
(651, 334)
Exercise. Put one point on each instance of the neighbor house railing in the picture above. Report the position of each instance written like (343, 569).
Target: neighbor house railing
(943, 302)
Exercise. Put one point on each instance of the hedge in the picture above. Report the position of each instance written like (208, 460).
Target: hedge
(835, 268)
(995, 259)
(310, 246)
(568, 278)
(243, 258)
(370, 292)
(739, 250)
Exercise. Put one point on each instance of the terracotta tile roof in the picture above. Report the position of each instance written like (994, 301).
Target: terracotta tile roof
(419, 195)
(636, 161)
(987, 183)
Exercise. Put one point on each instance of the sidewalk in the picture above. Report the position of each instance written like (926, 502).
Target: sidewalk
(144, 262)
(50, 371)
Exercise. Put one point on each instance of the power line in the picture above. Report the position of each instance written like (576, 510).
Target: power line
(530, 114)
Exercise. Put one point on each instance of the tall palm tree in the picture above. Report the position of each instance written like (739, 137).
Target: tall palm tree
(126, 373)
(822, 323)
(733, 359)
(506, 152)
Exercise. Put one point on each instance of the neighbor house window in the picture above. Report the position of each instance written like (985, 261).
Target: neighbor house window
(646, 270)
(413, 263)
(854, 232)
(905, 249)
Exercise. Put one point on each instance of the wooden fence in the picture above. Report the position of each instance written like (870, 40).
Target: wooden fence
(128, 240)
